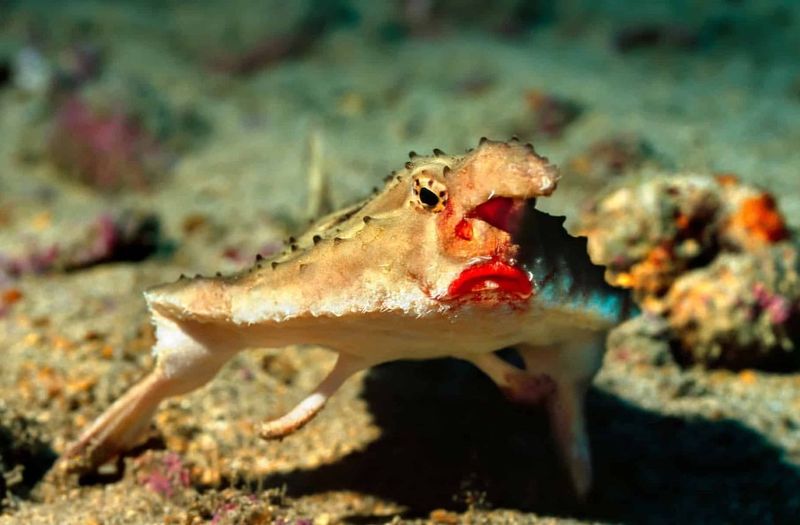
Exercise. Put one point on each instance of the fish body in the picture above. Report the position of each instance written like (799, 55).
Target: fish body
(451, 258)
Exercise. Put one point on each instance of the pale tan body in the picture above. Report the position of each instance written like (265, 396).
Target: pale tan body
(372, 283)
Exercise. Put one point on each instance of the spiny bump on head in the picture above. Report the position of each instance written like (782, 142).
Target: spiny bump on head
(316, 239)
(259, 257)
(409, 165)
(412, 154)
(366, 219)
(482, 141)
(446, 171)
(438, 153)
(274, 264)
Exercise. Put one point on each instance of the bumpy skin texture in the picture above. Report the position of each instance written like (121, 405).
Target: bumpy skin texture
(449, 259)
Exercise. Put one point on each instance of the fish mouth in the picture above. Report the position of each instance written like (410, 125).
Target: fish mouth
(493, 278)
(504, 213)
(496, 277)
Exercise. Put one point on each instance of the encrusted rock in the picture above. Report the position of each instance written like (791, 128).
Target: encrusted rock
(741, 311)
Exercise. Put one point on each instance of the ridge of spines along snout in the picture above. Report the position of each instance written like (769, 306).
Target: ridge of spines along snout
(417, 160)
(438, 158)
(514, 140)
(291, 246)
(292, 249)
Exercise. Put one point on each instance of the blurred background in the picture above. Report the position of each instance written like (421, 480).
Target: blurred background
(144, 139)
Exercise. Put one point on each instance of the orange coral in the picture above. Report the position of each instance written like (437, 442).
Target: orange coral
(654, 274)
(759, 217)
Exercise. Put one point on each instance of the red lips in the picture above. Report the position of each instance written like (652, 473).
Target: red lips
(493, 277)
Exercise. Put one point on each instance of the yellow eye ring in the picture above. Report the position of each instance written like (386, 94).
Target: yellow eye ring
(429, 194)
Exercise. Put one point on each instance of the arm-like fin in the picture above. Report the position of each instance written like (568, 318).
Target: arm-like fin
(118, 429)
(309, 407)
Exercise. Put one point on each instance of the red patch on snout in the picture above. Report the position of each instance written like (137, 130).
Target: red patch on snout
(491, 277)
(464, 230)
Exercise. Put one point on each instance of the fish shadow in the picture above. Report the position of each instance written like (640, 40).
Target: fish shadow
(450, 440)
(25, 458)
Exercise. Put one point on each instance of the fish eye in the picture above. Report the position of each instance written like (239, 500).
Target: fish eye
(428, 198)
(429, 193)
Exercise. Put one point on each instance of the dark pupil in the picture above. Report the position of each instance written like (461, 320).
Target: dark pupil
(428, 198)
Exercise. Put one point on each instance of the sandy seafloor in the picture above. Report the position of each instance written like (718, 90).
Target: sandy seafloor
(411, 441)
